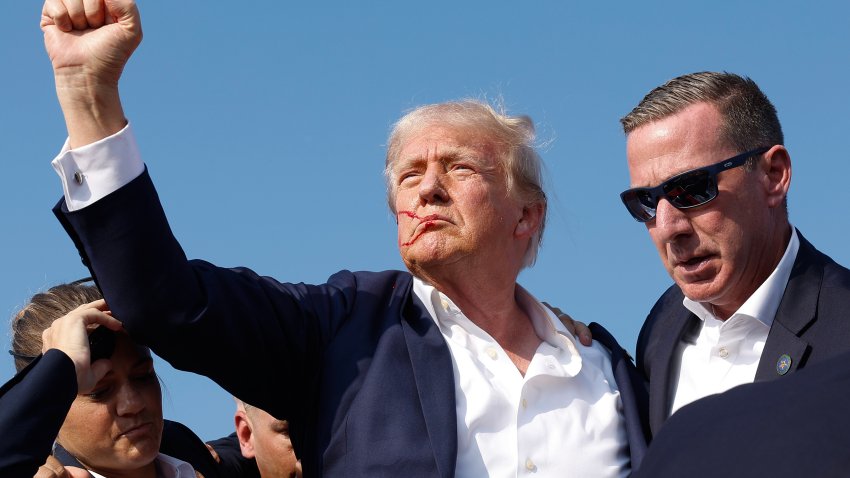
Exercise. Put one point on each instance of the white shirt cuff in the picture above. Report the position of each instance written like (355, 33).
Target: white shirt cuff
(93, 171)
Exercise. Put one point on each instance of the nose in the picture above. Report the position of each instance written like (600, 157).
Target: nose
(432, 188)
(670, 223)
(129, 400)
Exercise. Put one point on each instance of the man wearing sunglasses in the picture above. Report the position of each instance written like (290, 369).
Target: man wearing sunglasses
(752, 299)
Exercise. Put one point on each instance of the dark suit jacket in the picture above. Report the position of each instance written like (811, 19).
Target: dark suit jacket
(811, 325)
(356, 365)
(790, 428)
(34, 403)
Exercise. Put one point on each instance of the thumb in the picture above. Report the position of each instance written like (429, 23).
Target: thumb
(96, 372)
(74, 472)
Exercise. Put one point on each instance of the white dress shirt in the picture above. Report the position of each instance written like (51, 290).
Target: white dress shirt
(726, 353)
(562, 419)
(166, 467)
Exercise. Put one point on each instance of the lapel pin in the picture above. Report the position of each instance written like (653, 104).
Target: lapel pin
(783, 365)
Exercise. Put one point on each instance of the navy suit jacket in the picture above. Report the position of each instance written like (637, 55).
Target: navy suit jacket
(811, 324)
(356, 365)
(790, 428)
(34, 403)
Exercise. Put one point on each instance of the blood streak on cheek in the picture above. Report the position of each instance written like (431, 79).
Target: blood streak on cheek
(425, 222)
(425, 227)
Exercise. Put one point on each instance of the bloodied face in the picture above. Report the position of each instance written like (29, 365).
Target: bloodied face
(453, 204)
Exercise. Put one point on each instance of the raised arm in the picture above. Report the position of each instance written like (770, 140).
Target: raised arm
(89, 42)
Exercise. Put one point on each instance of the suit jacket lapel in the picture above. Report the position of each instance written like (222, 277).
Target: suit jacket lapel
(663, 381)
(433, 372)
(797, 310)
(633, 394)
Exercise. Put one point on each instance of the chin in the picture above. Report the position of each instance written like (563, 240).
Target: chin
(700, 292)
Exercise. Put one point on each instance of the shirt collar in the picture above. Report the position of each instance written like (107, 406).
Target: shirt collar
(764, 302)
(546, 325)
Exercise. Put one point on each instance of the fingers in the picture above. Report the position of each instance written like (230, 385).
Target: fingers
(95, 13)
(70, 15)
(74, 472)
(51, 469)
(55, 13)
(578, 329)
(54, 469)
(70, 332)
(583, 332)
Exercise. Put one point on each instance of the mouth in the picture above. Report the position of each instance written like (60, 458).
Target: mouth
(142, 430)
(425, 223)
(694, 263)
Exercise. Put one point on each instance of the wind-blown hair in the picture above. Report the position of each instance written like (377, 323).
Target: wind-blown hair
(511, 136)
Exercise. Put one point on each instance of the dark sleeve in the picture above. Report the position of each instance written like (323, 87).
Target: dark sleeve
(204, 318)
(790, 427)
(231, 461)
(33, 405)
(227, 462)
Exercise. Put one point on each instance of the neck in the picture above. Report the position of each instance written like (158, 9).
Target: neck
(489, 301)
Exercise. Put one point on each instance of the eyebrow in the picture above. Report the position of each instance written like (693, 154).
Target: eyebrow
(444, 153)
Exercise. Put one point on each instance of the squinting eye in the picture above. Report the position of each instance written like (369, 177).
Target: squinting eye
(407, 176)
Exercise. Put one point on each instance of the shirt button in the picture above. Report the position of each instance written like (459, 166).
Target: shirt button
(723, 352)
(78, 177)
(491, 352)
(524, 403)
(445, 304)
(529, 465)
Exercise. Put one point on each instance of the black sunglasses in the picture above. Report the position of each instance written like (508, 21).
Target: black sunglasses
(690, 189)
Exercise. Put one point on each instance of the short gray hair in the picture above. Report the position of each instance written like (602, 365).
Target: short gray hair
(513, 137)
(749, 118)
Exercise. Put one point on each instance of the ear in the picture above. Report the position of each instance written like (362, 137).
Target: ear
(244, 432)
(530, 221)
(777, 168)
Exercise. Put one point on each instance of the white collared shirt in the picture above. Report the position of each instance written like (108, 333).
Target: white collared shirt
(166, 467)
(726, 353)
(562, 419)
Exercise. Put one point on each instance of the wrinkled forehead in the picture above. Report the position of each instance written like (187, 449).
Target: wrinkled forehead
(439, 139)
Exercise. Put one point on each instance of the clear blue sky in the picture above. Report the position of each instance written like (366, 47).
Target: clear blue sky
(263, 125)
